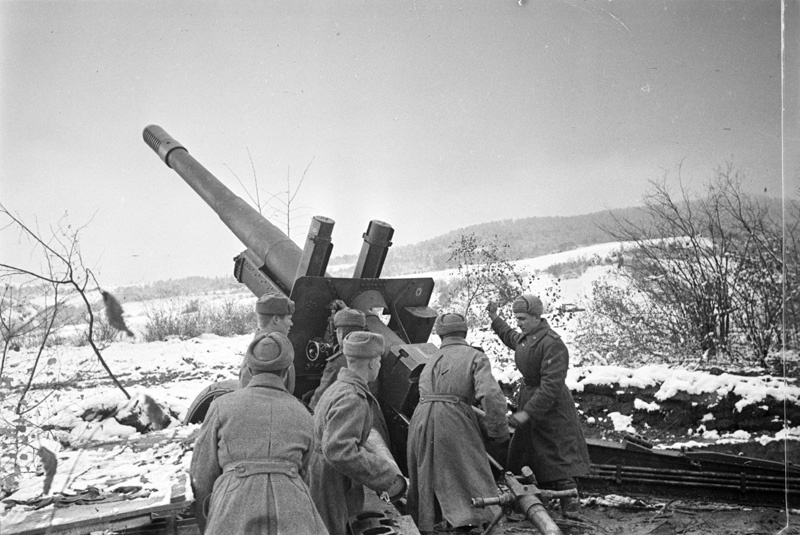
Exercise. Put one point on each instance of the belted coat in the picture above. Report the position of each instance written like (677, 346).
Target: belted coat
(248, 462)
(342, 465)
(551, 443)
(447, 460)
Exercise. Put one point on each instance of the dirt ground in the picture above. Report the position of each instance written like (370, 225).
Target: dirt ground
(662, 519)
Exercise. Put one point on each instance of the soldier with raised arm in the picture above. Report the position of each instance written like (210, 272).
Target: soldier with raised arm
(547, 436)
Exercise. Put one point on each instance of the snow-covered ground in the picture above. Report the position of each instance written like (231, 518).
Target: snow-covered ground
(72, 400)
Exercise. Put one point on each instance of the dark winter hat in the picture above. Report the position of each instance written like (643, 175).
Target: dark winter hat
(529, 304)
(274, 304)
(363, 345)
(269, 352)
(349, 317)
(449, 323)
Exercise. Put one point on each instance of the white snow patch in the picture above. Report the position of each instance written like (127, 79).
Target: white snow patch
(638, 404)
(622, 422)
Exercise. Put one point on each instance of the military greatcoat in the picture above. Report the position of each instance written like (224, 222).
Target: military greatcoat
(248, 462)
(334, 363)
(447, 460)
(342, 465)
(551, 442)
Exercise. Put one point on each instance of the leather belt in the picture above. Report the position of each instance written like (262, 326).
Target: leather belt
(446, 398)
(249, 468)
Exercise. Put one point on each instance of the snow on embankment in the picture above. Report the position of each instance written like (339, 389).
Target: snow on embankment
(655, 399)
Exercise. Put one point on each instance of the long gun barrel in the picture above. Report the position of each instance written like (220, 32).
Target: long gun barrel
(395, 308)
(279, 255)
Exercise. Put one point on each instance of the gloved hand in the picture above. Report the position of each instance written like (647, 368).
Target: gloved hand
(497, 449)
(518, 418)
(337, 305)
(398, 489)
(491, 308)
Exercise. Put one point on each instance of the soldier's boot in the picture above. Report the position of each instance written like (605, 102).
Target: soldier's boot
(570, 506)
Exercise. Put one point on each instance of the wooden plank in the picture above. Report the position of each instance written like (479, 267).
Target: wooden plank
(98, 516)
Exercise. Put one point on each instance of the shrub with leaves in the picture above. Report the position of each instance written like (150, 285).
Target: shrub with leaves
(483, 273)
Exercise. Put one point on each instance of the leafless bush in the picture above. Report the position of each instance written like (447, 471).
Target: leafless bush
(719, 271)
(171, 319)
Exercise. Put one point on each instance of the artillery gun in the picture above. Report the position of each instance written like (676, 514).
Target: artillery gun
(397, 308)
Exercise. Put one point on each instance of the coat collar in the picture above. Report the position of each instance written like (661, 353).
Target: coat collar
(268, 380)
(453, 341)
(538, 331)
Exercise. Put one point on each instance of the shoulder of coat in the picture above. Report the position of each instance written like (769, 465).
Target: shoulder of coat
(552, 334)
(478, 348)
(351, 387)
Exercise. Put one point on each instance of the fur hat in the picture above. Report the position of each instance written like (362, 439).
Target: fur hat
(269, 352)
(363, 345)
(529, 304)
(275, 305)
(350, 317)
(449, 323)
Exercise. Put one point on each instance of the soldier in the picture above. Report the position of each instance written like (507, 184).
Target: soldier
(343, 464)
(252, 451)
(345, 321)
(445, 433)
(548, 437)
(274, 312)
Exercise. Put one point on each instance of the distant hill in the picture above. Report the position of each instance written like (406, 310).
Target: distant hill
(528, 237)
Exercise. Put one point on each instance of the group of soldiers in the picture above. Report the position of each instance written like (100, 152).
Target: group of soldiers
(265, 462)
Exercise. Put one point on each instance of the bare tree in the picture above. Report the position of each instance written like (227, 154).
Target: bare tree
(62, 273)
(283, 199)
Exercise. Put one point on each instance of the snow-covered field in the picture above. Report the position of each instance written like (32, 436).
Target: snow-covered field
(73, 403)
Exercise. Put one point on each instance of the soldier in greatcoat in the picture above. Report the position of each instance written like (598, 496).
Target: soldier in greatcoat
(274, 315)
(447, 463)
(547, 436)
(343, 464)
(345, 321)
(250, 457)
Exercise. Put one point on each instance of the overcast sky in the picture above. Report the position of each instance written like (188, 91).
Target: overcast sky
(429, 115)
